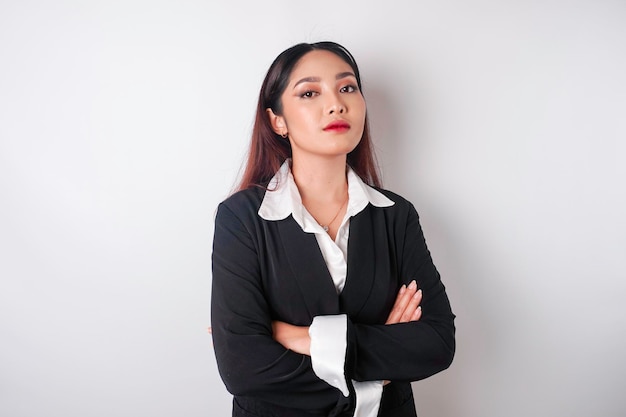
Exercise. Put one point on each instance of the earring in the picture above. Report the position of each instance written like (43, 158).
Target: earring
(284, 135)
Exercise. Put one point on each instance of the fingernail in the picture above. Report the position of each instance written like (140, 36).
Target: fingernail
(418, 294)
(402, 289)
(413, 285)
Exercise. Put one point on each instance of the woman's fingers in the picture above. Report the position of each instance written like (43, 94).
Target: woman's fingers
(417, 315)
(403, 301)
(398, 307)
(406, 305)
(412, 307)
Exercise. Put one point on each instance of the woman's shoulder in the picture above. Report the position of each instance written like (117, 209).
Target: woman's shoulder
(244, 201)
(400, 202)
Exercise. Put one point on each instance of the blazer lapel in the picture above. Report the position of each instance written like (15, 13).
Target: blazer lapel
(309, 269)
(368, 261)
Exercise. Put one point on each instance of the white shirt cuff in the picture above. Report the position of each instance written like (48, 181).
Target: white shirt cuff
(328, 356)
(328, 350)
(368, 396)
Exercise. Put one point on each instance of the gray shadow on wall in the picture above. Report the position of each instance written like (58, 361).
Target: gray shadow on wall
(386, 131)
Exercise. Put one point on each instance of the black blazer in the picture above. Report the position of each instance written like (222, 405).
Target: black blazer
(272, 270)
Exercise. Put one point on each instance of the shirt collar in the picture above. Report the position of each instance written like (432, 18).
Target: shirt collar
(282, 197)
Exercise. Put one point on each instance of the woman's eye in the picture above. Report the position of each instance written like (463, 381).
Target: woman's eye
(307, 94)
(348, 89)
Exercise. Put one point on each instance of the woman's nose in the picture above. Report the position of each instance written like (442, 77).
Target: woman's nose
(336, 105)
(337, 109)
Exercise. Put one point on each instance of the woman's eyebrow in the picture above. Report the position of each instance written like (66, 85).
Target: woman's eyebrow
(344, 75)
(307, 80)
(318, 79)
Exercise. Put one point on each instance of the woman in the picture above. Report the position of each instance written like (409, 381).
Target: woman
(325, 300)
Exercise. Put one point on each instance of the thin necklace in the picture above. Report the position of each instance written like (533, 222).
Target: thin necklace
(325, 227)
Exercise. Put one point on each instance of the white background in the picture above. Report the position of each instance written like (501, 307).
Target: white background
(124, 123)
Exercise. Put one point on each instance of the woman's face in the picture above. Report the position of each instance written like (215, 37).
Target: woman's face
(323, 109)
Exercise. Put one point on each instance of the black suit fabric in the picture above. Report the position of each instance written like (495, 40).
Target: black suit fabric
(273, 270)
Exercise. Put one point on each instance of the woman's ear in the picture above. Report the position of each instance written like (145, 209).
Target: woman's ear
(278, 123)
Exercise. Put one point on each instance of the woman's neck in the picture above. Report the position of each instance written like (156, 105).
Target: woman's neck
(321, 180)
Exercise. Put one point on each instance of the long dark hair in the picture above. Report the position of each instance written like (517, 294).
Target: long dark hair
(268, 150)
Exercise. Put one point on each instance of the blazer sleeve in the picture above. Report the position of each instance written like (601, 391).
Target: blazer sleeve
(250, 362)
(407, 351)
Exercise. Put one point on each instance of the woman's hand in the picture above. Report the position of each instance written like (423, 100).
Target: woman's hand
(292, 337)
(407, 306)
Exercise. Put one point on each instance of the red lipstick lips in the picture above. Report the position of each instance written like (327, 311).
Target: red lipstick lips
(337, 126)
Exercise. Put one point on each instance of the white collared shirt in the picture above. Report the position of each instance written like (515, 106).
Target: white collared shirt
(328, 333)
(285, 200)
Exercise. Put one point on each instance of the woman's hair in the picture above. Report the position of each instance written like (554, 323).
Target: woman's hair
(268, 150)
